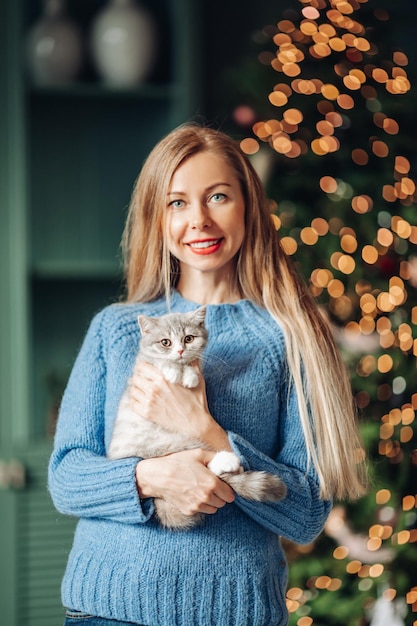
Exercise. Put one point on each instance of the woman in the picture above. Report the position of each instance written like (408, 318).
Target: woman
(273, 390)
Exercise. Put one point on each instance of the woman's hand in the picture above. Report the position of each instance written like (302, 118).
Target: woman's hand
(175, 407)
(183, 480)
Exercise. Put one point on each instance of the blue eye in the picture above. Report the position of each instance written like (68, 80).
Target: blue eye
(177, 204)
(217, 197)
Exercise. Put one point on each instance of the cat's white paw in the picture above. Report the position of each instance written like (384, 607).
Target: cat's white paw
(224, 462)
(190, 377)
(171, 374)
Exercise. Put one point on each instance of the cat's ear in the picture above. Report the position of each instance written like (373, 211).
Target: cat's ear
(146, 324)
(200, 315)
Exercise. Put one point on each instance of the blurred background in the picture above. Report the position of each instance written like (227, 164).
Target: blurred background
(321, 95)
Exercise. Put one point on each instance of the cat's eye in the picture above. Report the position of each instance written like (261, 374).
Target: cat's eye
(166, 343)
(188, 338)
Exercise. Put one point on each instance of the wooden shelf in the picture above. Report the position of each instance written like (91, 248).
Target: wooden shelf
(76, 270)
(101, 90)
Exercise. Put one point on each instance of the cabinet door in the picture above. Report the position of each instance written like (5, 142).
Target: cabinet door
(38, 543)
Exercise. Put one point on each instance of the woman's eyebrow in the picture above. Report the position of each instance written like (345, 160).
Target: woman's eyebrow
(220, 184)
(209, 188)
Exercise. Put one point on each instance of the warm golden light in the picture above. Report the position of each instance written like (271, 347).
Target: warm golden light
(278, 98)
(336, 288)
(249, 146)
(385, 363)
(362, 204)
(385, 237)
(359, 156)
(402, 165)
(328, 184)
(383, 496)
(320, 225)
(289, 245)
(341, 553)
(376, 570)
(374, 544)
(409, 503)
(380, 149)
(330, 92)
(276, 221)
(309, 236)
(370, 254)
(353, 567)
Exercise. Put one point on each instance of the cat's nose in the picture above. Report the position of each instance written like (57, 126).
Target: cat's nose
(180, 352)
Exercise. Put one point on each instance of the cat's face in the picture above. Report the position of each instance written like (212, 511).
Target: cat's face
(177, 337)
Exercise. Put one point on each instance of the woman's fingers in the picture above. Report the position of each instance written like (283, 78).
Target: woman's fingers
(183, 479)
(174, 407)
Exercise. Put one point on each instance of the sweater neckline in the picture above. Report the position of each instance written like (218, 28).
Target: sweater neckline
(177, 299)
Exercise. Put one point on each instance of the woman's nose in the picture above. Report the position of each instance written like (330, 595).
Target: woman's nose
(200, 217)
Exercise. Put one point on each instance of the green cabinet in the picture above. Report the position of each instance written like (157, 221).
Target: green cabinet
(69, 156)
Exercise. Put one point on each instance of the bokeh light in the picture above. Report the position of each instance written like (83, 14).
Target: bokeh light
(328, 72)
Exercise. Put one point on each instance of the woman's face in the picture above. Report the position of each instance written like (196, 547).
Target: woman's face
(205, 216)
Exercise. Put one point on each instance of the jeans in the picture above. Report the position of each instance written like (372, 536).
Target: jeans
(78, 618)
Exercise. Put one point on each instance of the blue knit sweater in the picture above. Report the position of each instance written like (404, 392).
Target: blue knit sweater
(231, 570)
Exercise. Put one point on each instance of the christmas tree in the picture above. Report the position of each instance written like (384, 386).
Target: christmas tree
(327, 113)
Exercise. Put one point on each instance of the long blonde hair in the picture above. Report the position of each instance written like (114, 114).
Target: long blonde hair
(265, 275)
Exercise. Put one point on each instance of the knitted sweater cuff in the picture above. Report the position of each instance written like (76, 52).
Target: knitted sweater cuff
(98, 488)
(301, 515)
(249, 457)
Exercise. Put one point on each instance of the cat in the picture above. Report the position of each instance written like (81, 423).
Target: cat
(172, 342)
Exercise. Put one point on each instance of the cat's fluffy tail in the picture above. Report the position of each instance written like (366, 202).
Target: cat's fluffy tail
(171, 518)
(252, 485)
(255, 485)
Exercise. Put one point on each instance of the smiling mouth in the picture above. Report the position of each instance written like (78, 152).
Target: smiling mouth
(202, 245)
